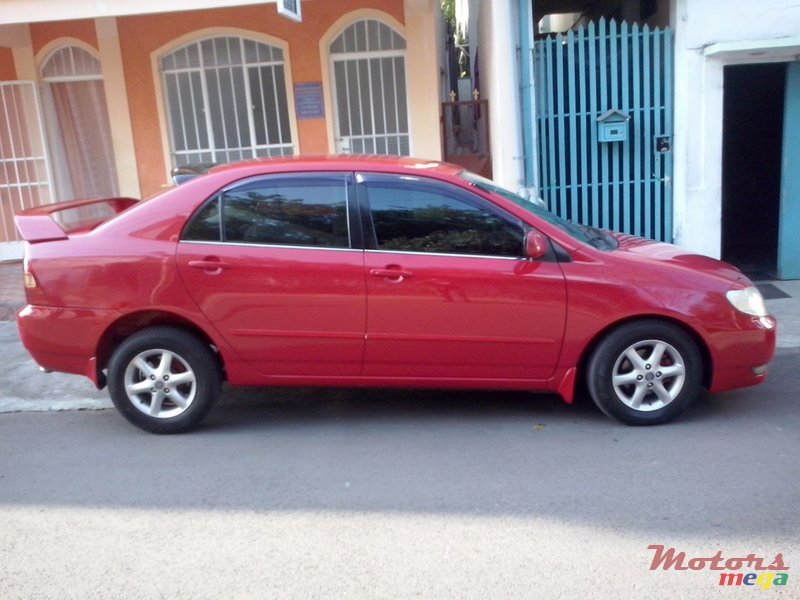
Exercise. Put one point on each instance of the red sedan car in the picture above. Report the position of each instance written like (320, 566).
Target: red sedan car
(381, 272)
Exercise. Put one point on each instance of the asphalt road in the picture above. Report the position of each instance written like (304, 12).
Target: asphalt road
(365, 494)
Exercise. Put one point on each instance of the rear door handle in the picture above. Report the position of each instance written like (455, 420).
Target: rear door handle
(212, 265)
(396, 274)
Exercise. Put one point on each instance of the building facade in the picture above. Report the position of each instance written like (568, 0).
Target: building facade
(99, 104)
(672, 119)
(715, 164)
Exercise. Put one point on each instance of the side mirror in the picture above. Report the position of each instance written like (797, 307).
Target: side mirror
(535, 245)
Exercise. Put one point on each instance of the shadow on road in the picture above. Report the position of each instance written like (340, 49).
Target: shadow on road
(727, 467)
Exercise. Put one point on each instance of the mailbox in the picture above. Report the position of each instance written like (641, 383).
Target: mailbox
(612, 126)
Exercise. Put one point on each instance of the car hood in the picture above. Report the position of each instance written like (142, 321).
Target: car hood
(677, 257)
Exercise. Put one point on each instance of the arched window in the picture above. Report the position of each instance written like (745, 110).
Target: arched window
(226, 100)
(369, 78)
(77, 120)
(71, 62)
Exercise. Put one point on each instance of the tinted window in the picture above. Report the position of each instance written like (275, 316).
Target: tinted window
(292, 211)
(205, 225)
(418, 216)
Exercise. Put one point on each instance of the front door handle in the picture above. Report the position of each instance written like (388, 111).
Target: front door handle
(394, 273)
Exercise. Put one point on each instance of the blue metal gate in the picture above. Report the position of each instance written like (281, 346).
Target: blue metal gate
(604, 119)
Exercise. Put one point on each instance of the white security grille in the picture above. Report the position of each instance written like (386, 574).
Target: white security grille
(24, 169)
(369, 75)
(226, 101)
(71, 62)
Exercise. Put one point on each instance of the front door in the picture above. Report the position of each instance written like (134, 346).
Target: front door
(270, 261)
(449, 294)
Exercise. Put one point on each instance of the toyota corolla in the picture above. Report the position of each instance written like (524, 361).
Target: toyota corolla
(379, 272)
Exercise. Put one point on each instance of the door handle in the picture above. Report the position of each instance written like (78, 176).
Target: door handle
(394, 273)
(213, 266)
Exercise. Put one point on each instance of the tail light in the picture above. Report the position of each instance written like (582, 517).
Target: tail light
(33, 291)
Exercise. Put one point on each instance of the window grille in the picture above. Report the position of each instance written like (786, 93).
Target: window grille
(226, 101)
(24, 168)
(370, 89)
(71, 62)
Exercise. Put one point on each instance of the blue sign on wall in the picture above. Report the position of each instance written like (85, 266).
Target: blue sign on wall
(308, 101)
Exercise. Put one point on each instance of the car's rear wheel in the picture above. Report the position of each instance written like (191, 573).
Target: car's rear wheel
(164, 380)
(645, 373)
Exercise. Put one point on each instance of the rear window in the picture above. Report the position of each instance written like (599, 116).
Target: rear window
(302, 210)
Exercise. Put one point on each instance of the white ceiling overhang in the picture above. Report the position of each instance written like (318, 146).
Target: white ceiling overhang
(778, 49)
(37, 11)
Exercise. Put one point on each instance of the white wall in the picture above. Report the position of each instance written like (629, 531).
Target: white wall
(422, 76)
(710, 34)
(499, 72)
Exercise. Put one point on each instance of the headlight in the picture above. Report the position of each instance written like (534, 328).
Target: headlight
(749, 301)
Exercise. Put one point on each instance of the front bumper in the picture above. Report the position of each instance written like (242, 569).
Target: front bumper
(741, 357)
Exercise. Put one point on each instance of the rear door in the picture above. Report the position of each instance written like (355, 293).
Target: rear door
(449, 293)
(274, 262)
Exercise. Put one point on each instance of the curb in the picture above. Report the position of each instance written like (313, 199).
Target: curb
(8, 312)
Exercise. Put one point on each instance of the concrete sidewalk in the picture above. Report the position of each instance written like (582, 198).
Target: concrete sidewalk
(24, 388)
(12, 295)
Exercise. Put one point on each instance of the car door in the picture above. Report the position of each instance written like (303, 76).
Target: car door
(450, 295)
(275, 264)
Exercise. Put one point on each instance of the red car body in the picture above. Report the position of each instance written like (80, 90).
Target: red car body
(288, 315)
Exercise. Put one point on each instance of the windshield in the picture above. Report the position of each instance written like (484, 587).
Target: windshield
(583, 233)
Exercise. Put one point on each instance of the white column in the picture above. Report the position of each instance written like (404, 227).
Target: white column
(118, 110)
(19, 38)
(697, 191)
(422, 77)
(499, 80)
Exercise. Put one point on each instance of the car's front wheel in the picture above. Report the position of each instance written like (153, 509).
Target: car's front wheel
(644, 373)
(164, 380)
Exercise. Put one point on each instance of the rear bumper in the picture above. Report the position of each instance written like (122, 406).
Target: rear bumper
(64, 339)
(741, 357)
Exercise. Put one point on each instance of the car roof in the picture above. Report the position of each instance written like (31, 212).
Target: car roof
(348, 162)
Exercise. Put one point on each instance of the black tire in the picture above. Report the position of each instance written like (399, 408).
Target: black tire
(164, 380)
(653, 388)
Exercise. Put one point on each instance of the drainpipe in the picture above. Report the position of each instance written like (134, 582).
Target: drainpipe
(527, 96)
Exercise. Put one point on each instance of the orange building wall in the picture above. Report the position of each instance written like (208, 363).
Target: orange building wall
(141, 35)
(44, 33)
(7, 70)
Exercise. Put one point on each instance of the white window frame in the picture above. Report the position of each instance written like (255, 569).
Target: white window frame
(344, 143)
(215, 150)
(24, 162)
(78, 64)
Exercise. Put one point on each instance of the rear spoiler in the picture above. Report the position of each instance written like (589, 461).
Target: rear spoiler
(186, 172)
(51, 222)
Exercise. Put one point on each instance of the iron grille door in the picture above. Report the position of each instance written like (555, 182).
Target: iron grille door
(624, 185)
